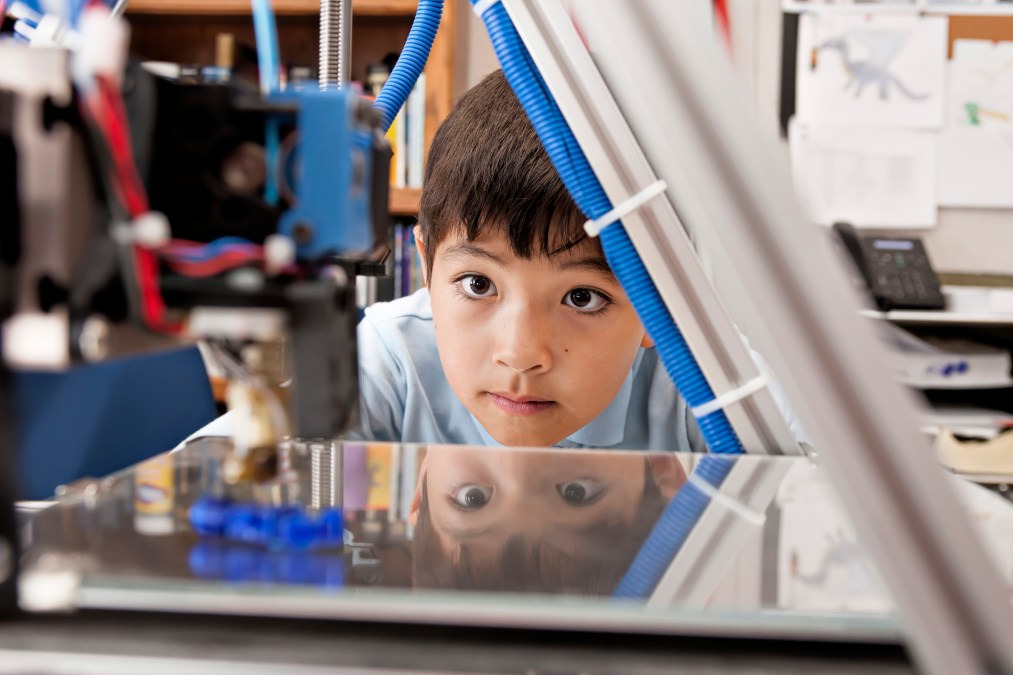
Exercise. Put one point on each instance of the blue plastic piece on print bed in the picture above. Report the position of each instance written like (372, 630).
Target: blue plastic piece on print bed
(207, 558)
(247, 564)
(333, 522)
(298, 531)
(247, 523)
(279, 527)
(209, 515)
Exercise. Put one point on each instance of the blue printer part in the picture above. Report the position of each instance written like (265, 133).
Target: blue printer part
(332, 170)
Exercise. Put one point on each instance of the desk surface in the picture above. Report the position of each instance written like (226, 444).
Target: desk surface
(468, 536)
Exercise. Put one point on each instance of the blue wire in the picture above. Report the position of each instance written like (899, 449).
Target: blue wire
(268, 59)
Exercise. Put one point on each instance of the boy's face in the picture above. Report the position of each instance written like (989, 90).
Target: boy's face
(484, 498)
(534, 348)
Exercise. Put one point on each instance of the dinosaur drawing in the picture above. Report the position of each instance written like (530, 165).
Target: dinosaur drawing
(873, 71)
(842, 553)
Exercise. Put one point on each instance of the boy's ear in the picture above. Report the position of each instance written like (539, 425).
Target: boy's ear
(422, 254)
(668, 473)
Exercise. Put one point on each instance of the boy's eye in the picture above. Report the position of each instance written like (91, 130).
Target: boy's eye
(470, 497)
(477, 286)
(580, 492)
(585, 300)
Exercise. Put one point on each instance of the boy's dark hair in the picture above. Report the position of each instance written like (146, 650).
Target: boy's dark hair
(537, 566)
(487, 169)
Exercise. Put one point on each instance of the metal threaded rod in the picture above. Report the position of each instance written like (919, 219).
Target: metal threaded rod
(325, 475)
(335, 42)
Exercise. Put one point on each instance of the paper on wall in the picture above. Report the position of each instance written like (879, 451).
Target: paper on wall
(976, 147)
(871, 70)
(821, 566)
(865, 176)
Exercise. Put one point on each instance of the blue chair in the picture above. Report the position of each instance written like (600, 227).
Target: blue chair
(97, 419)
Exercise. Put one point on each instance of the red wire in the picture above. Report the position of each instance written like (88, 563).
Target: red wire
(119, 139)
(217, 265)
(111, 116)
(723, 21)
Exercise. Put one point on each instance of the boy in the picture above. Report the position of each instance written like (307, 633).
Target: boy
(522, 336)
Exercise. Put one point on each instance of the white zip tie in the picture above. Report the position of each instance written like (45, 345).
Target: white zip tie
(718, 497)
(482, 5)
(733, 396)
(593, 227)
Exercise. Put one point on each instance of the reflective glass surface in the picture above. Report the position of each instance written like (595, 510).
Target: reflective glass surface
(559, 538)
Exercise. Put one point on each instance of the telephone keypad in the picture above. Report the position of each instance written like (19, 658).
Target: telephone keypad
(902, 273)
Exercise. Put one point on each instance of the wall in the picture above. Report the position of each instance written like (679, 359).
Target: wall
(965, 240)
(476, 58)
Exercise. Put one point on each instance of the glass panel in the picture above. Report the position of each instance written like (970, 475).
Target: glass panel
(458, 534)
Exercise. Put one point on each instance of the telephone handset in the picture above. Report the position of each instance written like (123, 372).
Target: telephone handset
(896, 270)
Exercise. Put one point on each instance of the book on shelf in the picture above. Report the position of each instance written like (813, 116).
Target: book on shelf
(407, 138)
(407, 133)
(397, 135)
(406, 262)
(415, 137)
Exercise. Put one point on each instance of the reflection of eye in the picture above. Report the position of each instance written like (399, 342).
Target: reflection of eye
(470, 497)
(579, 492)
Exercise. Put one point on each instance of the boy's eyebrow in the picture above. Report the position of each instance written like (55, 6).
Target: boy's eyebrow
(469, 532)
(467, 248)
(590, 263)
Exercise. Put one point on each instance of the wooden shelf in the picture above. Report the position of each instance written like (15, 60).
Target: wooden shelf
(940, 317)
(284, 7)
(405, 201)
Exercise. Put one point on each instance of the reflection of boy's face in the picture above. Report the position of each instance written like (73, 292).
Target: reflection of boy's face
(483, 498)
(534, 348)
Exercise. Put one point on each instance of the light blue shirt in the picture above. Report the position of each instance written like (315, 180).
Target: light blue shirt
(406, 396)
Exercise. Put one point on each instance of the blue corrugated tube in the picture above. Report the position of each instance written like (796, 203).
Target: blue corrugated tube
(685, 510)
(411, 62)
(266, 33)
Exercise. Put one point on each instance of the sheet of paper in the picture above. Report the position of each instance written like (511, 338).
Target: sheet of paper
(871, 70)
(864, 176)
(821, 566)
(976, 146)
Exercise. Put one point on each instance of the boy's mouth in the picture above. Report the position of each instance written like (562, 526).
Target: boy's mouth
(520, 405)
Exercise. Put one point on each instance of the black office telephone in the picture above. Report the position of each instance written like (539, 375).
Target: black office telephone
(897, 271)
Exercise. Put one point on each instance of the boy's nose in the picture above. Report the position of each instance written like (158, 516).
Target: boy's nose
(524, 344)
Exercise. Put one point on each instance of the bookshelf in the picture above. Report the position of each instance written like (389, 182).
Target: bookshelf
(185, 31)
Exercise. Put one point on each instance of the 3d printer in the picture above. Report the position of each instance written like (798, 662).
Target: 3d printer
(141, 212)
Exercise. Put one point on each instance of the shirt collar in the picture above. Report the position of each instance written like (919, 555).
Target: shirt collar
(605, 430)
